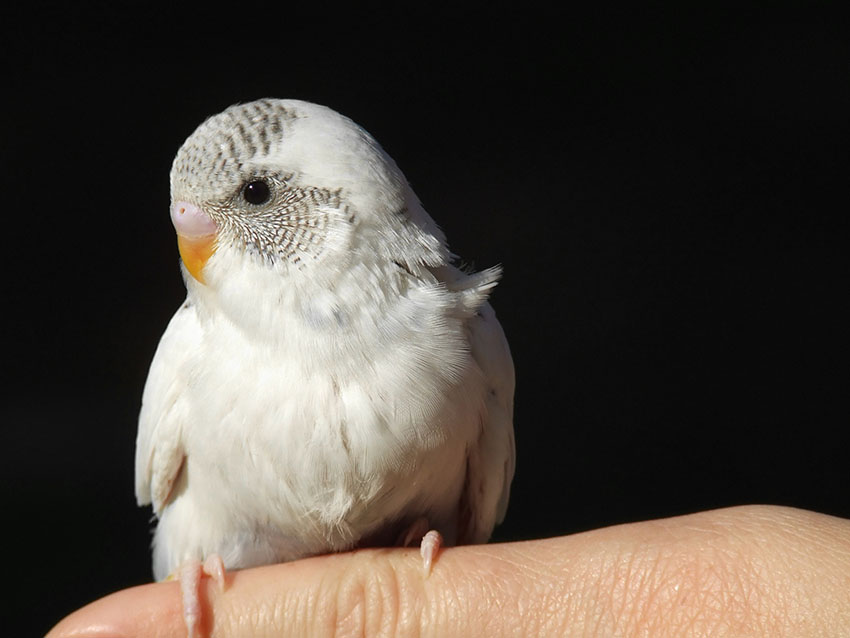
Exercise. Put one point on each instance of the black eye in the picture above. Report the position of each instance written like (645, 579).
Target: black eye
(257, 192)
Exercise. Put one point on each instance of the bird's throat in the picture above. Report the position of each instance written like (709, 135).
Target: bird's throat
(195, 252)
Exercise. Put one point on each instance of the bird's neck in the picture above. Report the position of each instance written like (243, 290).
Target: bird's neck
(343, 320)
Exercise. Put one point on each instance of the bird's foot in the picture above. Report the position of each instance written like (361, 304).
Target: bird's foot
(430, 541)
(189, 574)
(428, 548)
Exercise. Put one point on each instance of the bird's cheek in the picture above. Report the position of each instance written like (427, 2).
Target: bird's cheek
(196, 233)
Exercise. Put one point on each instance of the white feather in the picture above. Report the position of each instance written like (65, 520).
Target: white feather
(293, 411)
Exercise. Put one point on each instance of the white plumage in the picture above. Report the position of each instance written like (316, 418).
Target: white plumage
(331, 378)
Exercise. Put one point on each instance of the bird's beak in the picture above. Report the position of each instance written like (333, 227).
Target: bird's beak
(196, 232)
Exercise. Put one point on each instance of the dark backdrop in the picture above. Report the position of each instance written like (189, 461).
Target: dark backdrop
(666, 191)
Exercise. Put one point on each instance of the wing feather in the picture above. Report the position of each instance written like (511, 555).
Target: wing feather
(491, 460)
(492, 457)
(159, 447)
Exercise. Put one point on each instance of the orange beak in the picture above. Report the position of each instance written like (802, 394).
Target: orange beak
(195, 252)
(196, 234)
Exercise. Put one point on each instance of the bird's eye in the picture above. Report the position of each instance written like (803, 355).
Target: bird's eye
(257, 192)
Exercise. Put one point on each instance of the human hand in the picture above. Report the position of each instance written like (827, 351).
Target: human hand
(755, 570)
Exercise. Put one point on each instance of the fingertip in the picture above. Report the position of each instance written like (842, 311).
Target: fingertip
(146, 610)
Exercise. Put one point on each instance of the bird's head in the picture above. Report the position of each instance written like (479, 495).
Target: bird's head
(281, 185)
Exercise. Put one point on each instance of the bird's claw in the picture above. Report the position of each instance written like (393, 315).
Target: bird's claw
(431, 543)
(189, 575)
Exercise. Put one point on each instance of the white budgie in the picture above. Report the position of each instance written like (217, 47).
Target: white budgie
(332, 380)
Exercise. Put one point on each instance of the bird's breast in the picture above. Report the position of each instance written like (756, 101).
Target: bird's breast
(328, 428)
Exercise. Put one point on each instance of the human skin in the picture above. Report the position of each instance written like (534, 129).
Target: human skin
(744, 571)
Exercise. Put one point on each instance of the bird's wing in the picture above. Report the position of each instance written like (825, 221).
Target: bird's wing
(491, 459)
(159, 447)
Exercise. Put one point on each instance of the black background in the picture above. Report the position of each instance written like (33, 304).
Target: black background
(666, 190)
